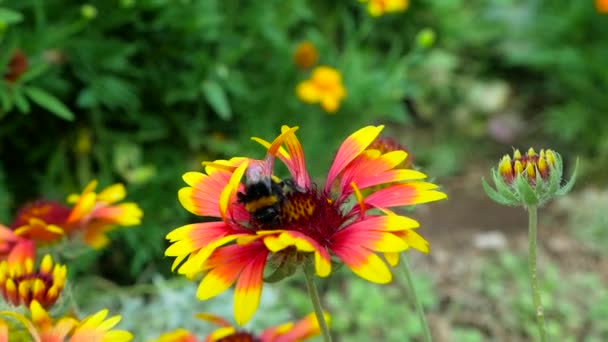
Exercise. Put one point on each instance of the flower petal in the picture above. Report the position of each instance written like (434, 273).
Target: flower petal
(363, 262)
(302, 243)
(229, 192)
(350, 149)
(404, 194)
(249, 289)
(113, 193)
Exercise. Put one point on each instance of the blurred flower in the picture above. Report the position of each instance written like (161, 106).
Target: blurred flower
(41, 221)
(96, 213)
(289, 332)
(529, 179)
(378, 8)
(17, 65)
(306, 55)
(385, 145)
(263, 218)
(93, 328)
(15, 248)
(601, 6)
(21, 284)
(324, 87)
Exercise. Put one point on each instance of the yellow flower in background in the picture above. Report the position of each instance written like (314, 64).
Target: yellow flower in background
(324, 87)
(97, 213)
(94, 328)
(21, 284)
(305, 55)
(377, 8)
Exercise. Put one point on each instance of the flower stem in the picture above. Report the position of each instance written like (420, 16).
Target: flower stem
(316, 303)
(532, 228)
(419, 309)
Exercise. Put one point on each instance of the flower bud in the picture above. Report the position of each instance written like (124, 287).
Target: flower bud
(528, 179)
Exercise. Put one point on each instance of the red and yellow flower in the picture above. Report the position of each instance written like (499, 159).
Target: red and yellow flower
(15, 248)
(41, 221)
(312, 220)
(21, 284)
(289, 332)
(68, 329)
(324, 87)
(378, 8)
(95, 214)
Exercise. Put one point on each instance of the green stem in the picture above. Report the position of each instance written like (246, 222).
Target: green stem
(316, 303)
(532, 228)
(419, 309)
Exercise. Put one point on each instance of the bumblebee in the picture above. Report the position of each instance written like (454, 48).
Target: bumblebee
(263, 195)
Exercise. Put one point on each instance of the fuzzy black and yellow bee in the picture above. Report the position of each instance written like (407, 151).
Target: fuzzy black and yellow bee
(264, 195)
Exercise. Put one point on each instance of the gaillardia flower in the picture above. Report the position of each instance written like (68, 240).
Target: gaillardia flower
(97, 213)
(68, 329)
(296, 218)
(528, 180)
(20, 283)
(14, 248)
(305, 55)
(324, 87)
(289, 332)
(378, 8)
(41, 221)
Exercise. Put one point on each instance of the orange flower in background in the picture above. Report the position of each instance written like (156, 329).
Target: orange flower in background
(14, 248)
(21, 284)
(267, 217)
(68, 329)
(95, 214)
(289, 332)
(16, 66)
(601, 6)
(305, 55)
(378, 8)
(324, 87)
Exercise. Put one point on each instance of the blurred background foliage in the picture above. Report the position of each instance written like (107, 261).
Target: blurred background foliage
(140, 91)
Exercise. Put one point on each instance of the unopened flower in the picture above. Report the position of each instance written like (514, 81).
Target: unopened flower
(528, 179)
(378, 8)
(16, 67)
(97, 213)
(324, 87)
(299, 331)
(21, 283)
(14, 248)
(295, 219)
(69, 329)
(305, 55)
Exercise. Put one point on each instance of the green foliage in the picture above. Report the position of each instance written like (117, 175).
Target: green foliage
(567, 299)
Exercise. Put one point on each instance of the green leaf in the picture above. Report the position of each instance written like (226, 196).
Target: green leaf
(9, 16)
(33, 72)
(216, 97)
(566, 188)
(21, 102)
(49, 102)
(493, 194)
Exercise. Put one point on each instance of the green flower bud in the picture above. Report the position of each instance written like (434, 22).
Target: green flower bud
(88, 11)
(426, 38)
(528, 180)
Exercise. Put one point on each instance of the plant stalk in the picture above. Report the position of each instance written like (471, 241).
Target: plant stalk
(419, 309)
(532, 228)
(316, 303)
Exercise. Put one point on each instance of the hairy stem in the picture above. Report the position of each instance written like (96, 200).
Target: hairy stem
(532, 228)
(419, 309)
(316, 303)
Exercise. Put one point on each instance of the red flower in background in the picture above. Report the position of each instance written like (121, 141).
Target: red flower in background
(16, 66)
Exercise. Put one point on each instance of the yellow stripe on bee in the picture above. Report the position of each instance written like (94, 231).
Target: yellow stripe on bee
(260, 203)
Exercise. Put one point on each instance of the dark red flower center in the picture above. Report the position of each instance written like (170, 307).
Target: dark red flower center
(312, 213)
